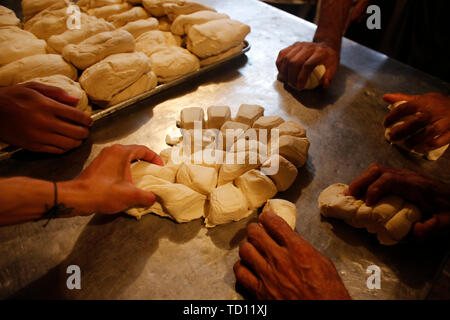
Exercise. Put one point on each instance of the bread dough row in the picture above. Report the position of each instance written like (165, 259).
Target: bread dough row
(8, 18)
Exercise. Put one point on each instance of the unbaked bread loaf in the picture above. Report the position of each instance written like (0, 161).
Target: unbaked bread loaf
(155, 7)
(145, 83)
(121, 19)
(33, 7)
(138, 27)
(223, 55)
(155, 40)
(183, 23)
(173, 62)
(110, 76)
(108, 11)
(8, 17)
(41, 65)
(217, 36)
(98, 47)
(16, 44)
(51, 21)
(173, 10)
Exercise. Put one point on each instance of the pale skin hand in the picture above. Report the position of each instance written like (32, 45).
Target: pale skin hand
(105, 187)
(277, 263)
(431, 196)
(41, 118)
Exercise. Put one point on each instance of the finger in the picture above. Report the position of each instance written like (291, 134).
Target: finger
(252, 258)
(409, 127)
(434, 136)
(259, 238)
(282, 54)
(59, 141)
(44, 148)
(396, 97)
(328, 76)
(295, 66)
(66, 112)
(359, 186)
(381, 187)
(52, 92)
(138, 152)
(398, 113)
(69, 130)
(284, 66)
(276, 227)
(246, 278)
(437, 225)
(307, 69)
(142, 198)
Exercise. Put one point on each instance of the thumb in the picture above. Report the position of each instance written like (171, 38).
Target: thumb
(145, 198)
(52, 92)
(395, 97)
(436, 226)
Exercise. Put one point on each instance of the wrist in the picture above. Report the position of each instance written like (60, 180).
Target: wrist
(75, 194)
(329, 40)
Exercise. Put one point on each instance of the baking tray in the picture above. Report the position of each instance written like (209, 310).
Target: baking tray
(102, 113)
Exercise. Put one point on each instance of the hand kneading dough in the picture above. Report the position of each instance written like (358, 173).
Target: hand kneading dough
(189, 116)
(155, 7)
(198, 178)
(256, 187)
(108, 77)
(315, 77)
(173, 10)
(41, 65)
(335, 204)
(155, 40)
(141, 169)
(230, 171)
(287, 172)
(215, 37)
(16, 44)
(294, 149)
(136, 28)
(8, 17)
(75, 36)
(430, 155)
(73, 88)
(120, 19)
(145, 83)
(183, 23)
(108, 11)
(172, 63)
(98, 47)
(291, 128)
(227, 204)
(283, 208)
(217, 116)
(248, 114)
(33, 7)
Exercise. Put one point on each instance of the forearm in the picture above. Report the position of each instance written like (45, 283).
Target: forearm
(332, 21)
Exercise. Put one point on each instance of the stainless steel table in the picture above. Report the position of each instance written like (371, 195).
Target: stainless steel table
(155, 258)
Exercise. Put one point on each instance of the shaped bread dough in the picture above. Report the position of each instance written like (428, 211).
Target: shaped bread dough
(16, 44)
(138, 27)
(430, 155)
(73, 88)
(141, 169)
(293, 149)
(267, 122)
(231, 132)
(99, 3)
(155, 7)
(227, 204)
(108, 77)
(173, 10)
(287, 172)
(284, 209)
(335, 204)
(362, 218)
(99, 46)
(75, 36)
(245, 145)
(217, 116)
(173, 62)
(49, 22)
(121, 19)
(230, 170)
(217, 36)
(194, 141)
(8, 17)
(41, 65)
(198, 178)
(223, 55)
(256, 187)
(249, 113)
(189, 116)
(183, 23)
(315, 77)
(384, 210)
(108, 11)
(164, 24)
(153, 41)
(145, 83)
(234, 125)
(33, 7)
(291, 128)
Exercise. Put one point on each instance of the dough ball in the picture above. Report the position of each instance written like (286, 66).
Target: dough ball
(285, 175)
(291, 128)
(256, 187)
(294, 149)
(183, 23)
(217, 116)
(283, 208)
(335, 204)
(315, 77)
(249, 113)
(198, 178)
(189, 116)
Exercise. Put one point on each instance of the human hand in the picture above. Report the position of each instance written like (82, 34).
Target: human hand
(277, 263)
(105, 186)
(41, 118)
(430, 195)
(296, 62)
(430, 112)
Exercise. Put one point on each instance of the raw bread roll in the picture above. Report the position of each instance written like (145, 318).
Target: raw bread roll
(267, 122)
(75, 36)
(173, 62)
(256, 187)
(384, 210)
(8, 17)
(294, 149)
(291, 128)
(233, 125)
(73, 88)
(315, 77)
(244, 145)
(195, 141)
(49, 22)
(173, 10)
(140, 169)
(171, 141)
(231, 131)
(188, 116)
(430, 155)
(145, 83)
(99, 46)
(16, 44)
(248, 114)
(183, 23)
(33, 7)
(233, 169)
(155, 7)
(222, 56)
(198, 178)
(217, 116)
(227, 204)
(136, 28)
(287, 172)
(164, 24)
(335, 204)
(217, 36)
(101, 3)
(283, 208)
(153, 41)
(108, 77)
(41, 65)
(121, 19)
(108, 11)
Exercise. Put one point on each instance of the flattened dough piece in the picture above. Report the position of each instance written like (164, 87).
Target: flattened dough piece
(183, 23)
(335, 204)
(16, 44)
(173, 10)
(145, 83)
(153, 41)
(121, 19)
(291, 128)
(227, 204)
(138, 27)
(249, 113)
(8, 17)
(141, 169)
(286, 174)
(41, 65)
(293, 149)
(256, 187)
(198, 178)
(172, 63)
(217, 116)
(283, 208)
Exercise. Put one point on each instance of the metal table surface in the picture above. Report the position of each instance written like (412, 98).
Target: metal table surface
(121, 258)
